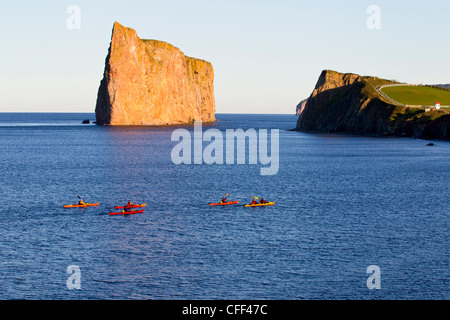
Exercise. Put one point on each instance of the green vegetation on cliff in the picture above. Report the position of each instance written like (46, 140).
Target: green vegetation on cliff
(418, 95)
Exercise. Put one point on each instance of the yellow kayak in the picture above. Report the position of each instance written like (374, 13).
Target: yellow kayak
(259, 204)
(81, 205)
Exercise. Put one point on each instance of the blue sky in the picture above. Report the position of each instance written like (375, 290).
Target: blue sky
(267, 55)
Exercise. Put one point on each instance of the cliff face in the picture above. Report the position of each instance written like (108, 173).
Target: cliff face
(150, 82)
(349, 103)
(300, 107)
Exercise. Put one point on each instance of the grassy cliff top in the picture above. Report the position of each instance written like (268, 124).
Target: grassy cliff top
(404, 94)
(418, 95)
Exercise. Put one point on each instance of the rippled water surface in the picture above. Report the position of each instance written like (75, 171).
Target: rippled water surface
(343, 203)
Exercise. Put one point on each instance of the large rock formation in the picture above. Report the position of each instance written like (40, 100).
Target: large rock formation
(150, 82)
(349, 103)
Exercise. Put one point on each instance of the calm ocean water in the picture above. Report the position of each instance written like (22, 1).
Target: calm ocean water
(343, 203)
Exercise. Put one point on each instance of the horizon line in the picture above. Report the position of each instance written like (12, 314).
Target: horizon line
(67, 112)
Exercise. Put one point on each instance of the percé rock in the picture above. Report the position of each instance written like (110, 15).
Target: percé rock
(150, 82)
(349, 103)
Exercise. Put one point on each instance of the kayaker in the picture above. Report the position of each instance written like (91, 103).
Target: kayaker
(81, 202)
(254, 201)
(128, 206)
(224, 199)
(262, 201)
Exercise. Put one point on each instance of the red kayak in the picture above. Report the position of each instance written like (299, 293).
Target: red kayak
(224, 203)
(133, 206)
(126, 212)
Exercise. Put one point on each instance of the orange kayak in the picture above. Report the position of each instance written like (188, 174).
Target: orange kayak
(81, 205)
(223, 203)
